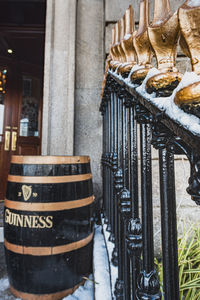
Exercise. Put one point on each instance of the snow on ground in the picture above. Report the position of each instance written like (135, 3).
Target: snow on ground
(101, 267)
(82, 293)
(4, 290)
(113, 269)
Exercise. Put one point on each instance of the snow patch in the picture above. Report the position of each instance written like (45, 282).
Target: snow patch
(84, 292)
(193, 3)
(127, 36)
(142, 88)
(113, 269)
(134, 69)
(167, 104)
(159, 22)
(1, 235)
(4, 284)
(101, 267)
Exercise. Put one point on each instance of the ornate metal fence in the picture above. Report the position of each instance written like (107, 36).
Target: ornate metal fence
(123, 108)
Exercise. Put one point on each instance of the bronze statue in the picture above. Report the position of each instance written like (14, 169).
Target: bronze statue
(121, 24)
(127, 41)
(142, 44)
(164, 34)
(188, 98)
(114, 50)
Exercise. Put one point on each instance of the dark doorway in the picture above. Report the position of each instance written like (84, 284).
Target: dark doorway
(22, 35)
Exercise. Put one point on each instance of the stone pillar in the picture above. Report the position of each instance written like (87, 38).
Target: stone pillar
(59, 78)
(89, 75)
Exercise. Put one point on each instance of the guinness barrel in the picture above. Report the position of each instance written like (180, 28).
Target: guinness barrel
(48, 225)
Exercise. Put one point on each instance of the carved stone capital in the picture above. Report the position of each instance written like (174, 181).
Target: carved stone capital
(148, 286)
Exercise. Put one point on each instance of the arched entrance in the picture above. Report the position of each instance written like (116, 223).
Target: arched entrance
(22, 27)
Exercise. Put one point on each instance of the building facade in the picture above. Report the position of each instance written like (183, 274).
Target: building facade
(77, 40)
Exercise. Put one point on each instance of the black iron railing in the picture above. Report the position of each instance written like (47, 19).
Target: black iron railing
(123, 108)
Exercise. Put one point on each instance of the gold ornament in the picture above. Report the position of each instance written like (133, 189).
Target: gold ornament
(164, 33)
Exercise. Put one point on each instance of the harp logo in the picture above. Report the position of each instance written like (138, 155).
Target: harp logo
(26, 191)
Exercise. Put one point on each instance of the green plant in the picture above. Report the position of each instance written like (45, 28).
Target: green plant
(189, 264)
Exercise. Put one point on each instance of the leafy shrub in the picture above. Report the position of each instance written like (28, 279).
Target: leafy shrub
(189, 264)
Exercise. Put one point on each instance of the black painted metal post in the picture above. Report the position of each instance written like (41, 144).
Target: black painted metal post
(148, 284)
(134, 227)
(108, 162)
(169, 227)
(106, 159)
(114, 169)
(162, 139)
(122, 290)
(112, 237)
(103, 109)
(119, 184)
(125, 195)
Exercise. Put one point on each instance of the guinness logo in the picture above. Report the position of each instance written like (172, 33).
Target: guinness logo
(27, 191)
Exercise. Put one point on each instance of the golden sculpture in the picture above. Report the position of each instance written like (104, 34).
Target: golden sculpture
(164, 34)
(189, 18)
(114, 50)
(127, 41)
(142, 44)
(121, 26)
(108, 60)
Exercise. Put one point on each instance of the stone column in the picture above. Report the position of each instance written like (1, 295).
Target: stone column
(89, 75)
(59, 78)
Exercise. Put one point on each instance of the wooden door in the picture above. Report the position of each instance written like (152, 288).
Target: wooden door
(20, 116)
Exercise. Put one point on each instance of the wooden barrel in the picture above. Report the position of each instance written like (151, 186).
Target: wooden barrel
(48, 225)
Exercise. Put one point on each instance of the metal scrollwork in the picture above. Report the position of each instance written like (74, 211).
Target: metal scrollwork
(125, 203)
(194, 180)
(121, 92)
(119, 289)
(119, 181)
(143, 116)
(148, 286)
(114, 162)
(134, 237)
(163, 138)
